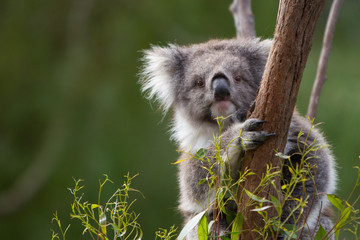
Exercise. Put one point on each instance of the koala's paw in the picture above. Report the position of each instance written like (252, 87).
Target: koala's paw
(251, 139)
(248, 140)
(239, 115)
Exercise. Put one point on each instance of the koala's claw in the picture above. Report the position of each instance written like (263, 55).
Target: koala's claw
(252, 123)
(251, 140)
(271, 134)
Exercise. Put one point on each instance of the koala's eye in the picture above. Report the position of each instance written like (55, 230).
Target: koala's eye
(200, 83)
(238, 78)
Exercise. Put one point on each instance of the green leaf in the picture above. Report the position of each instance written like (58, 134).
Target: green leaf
(237, 226)
(179, 161)
(201, 153)
(102, 222)
(290, 227)
(255, 198)
(230, 216)
(260, 209)
(190, 225)
(277, 205)
(93, 206)
(291, 170)
(203, 229)
(224, 238)
(335, 201)
(320, 234)
(287, 230)
(222, 202)
(211, 223)
(343, 217)
(202, 181)
(281, 155)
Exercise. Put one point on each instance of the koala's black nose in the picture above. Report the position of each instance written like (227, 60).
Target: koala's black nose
(221, 88)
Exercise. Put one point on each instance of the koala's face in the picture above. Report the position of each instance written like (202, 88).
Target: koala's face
(205, 81)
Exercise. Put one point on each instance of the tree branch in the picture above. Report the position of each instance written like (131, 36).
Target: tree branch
(244, 19)
(324, 58)
(277, 95)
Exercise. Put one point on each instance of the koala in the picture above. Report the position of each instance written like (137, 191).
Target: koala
(220, 78)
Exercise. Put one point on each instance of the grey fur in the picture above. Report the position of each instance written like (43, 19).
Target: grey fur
(182, 78)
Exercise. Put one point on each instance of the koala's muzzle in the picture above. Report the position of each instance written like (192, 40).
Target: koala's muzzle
(221, 88)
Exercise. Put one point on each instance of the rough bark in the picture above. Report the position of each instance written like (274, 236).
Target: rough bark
(244, 18)
(277, 95)
(324, 58)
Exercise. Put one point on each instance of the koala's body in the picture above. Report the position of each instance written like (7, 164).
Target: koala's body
(220, 78)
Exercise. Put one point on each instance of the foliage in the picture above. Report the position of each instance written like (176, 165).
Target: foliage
(114, 219)
(226, 188)
(83, 83)
(166, 234)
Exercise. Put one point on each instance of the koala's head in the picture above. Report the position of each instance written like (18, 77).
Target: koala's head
(208, 80)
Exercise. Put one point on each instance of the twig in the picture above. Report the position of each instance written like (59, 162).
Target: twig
(324, 58)
(244, 18)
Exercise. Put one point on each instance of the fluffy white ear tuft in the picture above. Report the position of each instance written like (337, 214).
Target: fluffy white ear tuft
(265, 46)
(160, 74)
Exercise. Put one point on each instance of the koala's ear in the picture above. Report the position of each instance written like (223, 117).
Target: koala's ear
(265, 47)
(258, 51)
(161, 73)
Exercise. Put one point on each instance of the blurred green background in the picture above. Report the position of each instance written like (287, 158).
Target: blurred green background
(71, 106)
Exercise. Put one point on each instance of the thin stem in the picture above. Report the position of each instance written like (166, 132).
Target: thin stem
(243, 18)
(324, 58)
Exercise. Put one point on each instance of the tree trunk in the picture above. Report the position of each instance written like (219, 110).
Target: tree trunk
(277, 95)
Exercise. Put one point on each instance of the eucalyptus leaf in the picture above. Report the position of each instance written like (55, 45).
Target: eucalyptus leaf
(190, 225)
(237, 226)
(336, 201)
(102, 222)
(93, 206)
(202, 181)
(343, 217)
(255, 198)
(281, 155)
(211, 223)
(287, 230)
(320, 234)
(201, 153)
(203, 228)
(277, 205)
(260, 209)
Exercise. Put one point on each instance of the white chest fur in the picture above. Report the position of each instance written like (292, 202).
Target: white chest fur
(192, 136)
